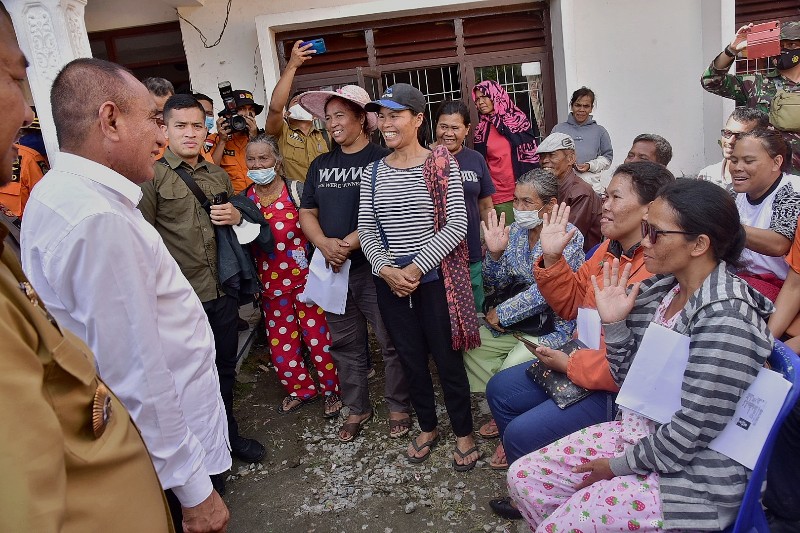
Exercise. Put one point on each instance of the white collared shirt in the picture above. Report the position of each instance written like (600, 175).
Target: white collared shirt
(106, 275)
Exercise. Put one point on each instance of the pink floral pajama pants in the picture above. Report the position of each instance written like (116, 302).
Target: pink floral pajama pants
(290, 323)
(542, 483)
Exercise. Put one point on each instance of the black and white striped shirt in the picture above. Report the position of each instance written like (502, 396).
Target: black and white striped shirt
(405, 210)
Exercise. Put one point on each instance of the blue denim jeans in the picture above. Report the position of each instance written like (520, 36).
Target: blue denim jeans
(528, 419)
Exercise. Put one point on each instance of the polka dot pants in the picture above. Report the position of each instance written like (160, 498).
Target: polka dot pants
(289, 323)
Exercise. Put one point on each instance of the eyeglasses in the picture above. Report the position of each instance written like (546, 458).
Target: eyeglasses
(728, 133)
(652, 233)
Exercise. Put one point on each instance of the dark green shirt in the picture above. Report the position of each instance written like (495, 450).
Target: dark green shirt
(169, 205)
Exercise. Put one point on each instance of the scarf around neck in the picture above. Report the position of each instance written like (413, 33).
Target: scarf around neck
(458, 288)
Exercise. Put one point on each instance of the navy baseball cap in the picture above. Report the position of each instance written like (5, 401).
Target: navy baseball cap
(399, 96)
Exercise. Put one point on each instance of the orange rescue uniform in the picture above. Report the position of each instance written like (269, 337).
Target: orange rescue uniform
(29, 168)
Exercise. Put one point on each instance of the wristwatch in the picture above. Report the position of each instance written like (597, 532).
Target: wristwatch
(730, 52)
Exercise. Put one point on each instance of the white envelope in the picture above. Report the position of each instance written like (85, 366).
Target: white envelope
(324, 287)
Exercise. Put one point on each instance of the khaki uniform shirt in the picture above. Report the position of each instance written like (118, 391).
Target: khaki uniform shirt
(58, 475)
(187, 231)
(299, 150)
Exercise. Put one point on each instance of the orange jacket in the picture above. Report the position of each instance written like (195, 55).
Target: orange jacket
(566, 290)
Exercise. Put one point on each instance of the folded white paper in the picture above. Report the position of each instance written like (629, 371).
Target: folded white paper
(652, 387)
(758, 408)
(324, 287)
(589, 326)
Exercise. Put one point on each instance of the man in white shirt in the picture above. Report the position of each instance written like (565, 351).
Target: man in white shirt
(106, 275)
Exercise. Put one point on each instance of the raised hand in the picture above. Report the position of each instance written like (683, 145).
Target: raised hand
(739, 41)
(554, 236)
(300, 54)
(614, 303)
(495, 234)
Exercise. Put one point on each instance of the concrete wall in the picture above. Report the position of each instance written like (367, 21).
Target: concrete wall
(247, 56)
(112, 14)
(643, 59)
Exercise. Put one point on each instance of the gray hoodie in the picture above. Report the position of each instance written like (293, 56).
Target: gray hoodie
(592, 146)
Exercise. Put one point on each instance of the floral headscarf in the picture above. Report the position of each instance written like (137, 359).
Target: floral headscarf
(510, 122)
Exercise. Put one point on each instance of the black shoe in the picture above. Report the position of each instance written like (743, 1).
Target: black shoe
(248, 450)
(503, 508)
(242, 325)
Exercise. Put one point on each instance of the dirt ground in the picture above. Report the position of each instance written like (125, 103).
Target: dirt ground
(310, 482)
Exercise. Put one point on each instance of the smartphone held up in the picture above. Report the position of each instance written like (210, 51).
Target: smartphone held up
(764, 40)
(318, 45)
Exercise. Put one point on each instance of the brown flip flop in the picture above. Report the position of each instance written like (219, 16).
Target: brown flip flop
(399, 428)
(499, 461)
(489, 430)
(353, 428)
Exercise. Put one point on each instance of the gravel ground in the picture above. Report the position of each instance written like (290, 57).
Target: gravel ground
(310, 482)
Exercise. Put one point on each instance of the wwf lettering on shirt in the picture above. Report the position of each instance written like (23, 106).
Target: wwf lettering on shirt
(339, 178)
(229, 152)
(469, 175)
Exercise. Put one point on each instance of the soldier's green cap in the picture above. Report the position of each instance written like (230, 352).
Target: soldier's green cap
(790, 31)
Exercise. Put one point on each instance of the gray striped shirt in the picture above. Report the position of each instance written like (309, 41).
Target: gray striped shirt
(726, 321)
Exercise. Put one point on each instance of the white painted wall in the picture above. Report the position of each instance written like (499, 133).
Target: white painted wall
(112, 14)
(643, 59)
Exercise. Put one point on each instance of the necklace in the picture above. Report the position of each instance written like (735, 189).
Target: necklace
(267, 197)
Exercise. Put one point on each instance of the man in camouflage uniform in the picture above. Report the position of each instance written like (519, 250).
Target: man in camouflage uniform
(757, 90)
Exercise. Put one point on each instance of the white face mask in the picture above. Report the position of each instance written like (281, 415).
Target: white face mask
(296, 112)
(210, 123)
(262, 176)
(528, 219)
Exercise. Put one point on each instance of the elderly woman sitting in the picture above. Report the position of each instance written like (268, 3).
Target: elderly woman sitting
(508, 275)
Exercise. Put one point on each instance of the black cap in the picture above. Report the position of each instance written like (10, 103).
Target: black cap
(398, 97)
(246, 98)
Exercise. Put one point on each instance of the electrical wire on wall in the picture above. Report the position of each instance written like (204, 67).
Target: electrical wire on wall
(203, 38)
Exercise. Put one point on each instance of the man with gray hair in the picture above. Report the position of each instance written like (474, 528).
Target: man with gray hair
(161, 89)
(107, 276)
(557, 156)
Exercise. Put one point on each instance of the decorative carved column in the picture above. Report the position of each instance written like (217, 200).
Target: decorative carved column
(51, 33)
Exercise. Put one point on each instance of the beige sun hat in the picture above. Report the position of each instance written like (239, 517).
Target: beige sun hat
(315, 101)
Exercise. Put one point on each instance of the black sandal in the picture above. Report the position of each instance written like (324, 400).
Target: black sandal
(466, 467)
(431, 444)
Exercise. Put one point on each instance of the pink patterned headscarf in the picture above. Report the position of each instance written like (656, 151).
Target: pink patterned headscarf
(509, 120)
